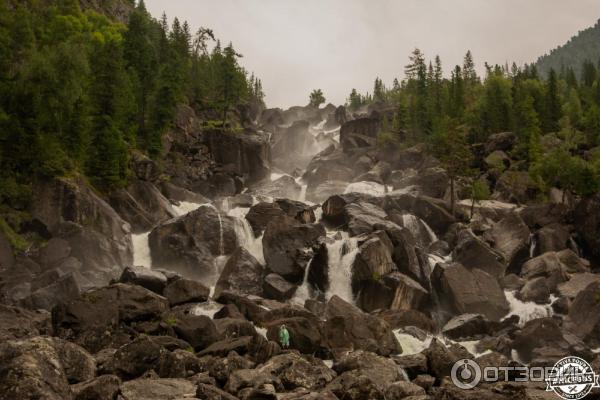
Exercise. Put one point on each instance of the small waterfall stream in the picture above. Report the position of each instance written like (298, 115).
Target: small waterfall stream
(340, 256)
(141, 250)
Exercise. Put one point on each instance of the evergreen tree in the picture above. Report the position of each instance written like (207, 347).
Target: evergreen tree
(316, 98)
(553, 104)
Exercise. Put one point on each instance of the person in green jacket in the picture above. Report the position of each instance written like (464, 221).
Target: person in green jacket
(284, 337)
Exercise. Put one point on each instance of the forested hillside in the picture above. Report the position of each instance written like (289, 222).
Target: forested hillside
(576, 56)
(556, 120)
(80, 90)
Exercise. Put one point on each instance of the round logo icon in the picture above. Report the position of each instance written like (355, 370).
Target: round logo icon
(466, 374)
(572, 378)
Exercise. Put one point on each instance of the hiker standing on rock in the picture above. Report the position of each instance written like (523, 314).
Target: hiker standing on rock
(284, 337)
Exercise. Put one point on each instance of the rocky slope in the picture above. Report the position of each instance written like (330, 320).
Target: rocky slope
(175, 286)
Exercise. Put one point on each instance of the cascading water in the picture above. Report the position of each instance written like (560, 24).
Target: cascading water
(245, 233)
(340, 256)
(419, 228)
(532, 245)
(186, 207)
(527, 311)
(303, 292)
(141, 250)
(303, 186)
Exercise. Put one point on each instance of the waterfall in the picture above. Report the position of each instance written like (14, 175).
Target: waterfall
(532, 245)
(340, 257)
(303, 186)
(185, 207)
(245, 234)
(419, 229)
(141, 250)
(303, 292)
(221, 242)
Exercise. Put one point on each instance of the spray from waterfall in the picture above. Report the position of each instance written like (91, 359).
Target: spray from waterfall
(340, 257)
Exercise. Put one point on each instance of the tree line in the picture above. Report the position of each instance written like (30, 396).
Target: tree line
(556, 117)
(79, 92)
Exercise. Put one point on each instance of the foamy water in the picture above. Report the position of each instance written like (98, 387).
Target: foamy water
(372, 188)
(340, 257)
(527, 311)
(141, 250)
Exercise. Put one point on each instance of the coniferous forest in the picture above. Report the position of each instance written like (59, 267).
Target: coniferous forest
(556, 116)
(79, 91)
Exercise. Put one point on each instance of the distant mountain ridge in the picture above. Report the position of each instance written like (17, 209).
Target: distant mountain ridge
(581, 47)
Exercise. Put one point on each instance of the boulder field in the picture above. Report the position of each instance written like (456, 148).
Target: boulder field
(176, 286)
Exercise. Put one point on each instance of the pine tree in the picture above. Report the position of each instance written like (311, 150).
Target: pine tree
(316, 98)
(553, 104)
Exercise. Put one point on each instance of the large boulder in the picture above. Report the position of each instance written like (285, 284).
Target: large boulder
(64, 289)
(248, 154)
(510, 237)
(158, 389)
(358, 133)
(97, 312)
(141, 276)
(374, 257)
(432, 182)
(142, 205)
(472, 252)
(552, 237)
(380, 370)
(584, 314)
(288, 244)
(305, 335)
(97, 235)
(587, 223)
(353, 385)
(18, 323)
(469, 291)
(190, 243)
(104, 387)
(297, 371)
(136, 358)
(184, 290)
(275, 287)
(502, 141)
(516, 187)
(261, 214)
(198, 330)
(362, 217)
(242, 274)
(347, 327)
(42, 368)
(432, 211)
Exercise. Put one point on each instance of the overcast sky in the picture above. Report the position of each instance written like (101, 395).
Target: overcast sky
(298, 45)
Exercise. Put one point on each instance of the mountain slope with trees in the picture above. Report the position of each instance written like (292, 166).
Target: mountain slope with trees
(556, 120)
(573, 56)
(80, 91)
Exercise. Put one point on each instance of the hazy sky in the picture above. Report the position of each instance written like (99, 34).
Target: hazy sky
(335, 45)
